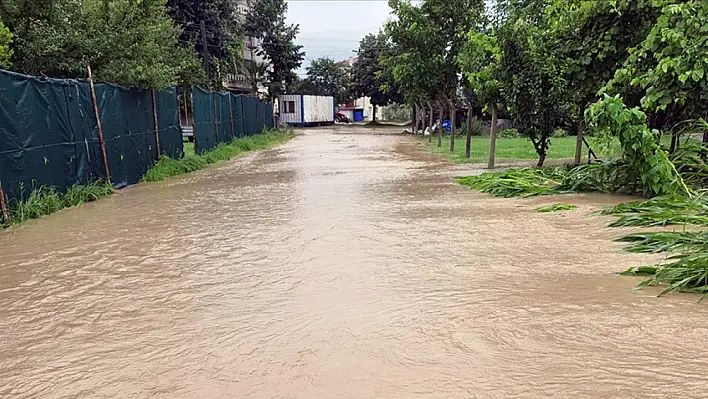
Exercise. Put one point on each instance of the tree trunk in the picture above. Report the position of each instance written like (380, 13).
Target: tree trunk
(373, 114)
(493, 138)
(453, 112)
(579, 141)
(440, 127)
(541, 159)
(468, 141)
(430, 120)
(414, 129)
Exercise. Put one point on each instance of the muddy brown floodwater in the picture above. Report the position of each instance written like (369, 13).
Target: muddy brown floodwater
(337, 266)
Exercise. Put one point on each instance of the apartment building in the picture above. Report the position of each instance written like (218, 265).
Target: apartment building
(241, 80)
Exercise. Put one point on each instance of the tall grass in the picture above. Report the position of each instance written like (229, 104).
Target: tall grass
(523, 182)
(661, 211)
(46, 200)
(556, 208)
(168, 167)
(657, 242)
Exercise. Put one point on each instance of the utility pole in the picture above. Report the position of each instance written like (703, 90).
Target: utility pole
(205, 50)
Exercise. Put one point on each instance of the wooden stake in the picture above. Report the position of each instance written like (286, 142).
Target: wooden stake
(231, 116)
(216, 119)
(468, 139)
(493, 138)
(157, 127)
(98, 124)
(179, 106)
(3, 206)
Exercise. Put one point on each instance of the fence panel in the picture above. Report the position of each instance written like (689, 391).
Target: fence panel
(128, 127)
(168, 123)
(49, 133)
(237, 106)
(225, 128)
(37, 134)
(249, 105)
(204, 122)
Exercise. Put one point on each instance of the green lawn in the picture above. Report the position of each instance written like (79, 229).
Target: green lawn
(512, 149)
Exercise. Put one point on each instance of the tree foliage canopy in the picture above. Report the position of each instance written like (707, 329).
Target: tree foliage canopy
(224, 36)
(125, 41)
(670, 64)
(266, 21)
(5, 50)
(325, 77)
(368, 77)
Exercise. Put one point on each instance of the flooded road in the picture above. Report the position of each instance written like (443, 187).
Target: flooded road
(336, 266)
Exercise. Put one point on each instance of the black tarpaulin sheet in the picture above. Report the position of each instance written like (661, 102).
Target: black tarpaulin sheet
(168, 123)
(204, 123)
(128, 126)
(40, 132)
(49, 134)
(249, 115)
(224, 114)
(236, 106)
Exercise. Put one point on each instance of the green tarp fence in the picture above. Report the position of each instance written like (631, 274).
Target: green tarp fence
(49, 134)
(216, 122)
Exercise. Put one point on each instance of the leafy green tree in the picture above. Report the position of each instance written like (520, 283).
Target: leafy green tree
(479, 61)
(325, 77)
(430, 36)
(224, 36)
(593, 39)
(266, 21)
(414, 62)
(368, 78)
(126, 42)
(5, 50)
(532, 81)
(669, 66)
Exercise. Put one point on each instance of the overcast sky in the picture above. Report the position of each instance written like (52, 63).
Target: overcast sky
(333, 28)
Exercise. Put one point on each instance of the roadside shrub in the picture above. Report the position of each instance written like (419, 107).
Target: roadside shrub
(509, 133)
(560, 133)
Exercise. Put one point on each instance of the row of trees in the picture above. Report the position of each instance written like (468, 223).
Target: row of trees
(147, 43)
(543, 61)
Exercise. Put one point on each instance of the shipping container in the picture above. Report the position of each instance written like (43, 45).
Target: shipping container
(306, 110)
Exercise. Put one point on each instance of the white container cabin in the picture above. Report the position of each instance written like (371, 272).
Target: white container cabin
(306, 110)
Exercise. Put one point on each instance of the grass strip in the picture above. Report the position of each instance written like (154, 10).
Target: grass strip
(46, 200)
(168, 167)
